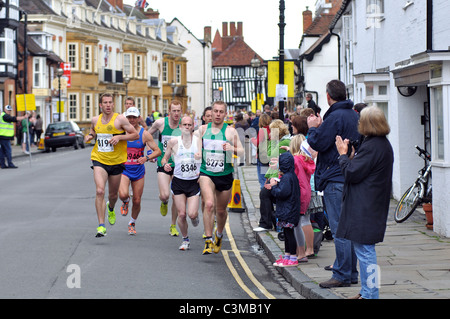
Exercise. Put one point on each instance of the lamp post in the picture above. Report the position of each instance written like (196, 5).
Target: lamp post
(126, 80)
(59, 73)
(281, 55)
(256, 63)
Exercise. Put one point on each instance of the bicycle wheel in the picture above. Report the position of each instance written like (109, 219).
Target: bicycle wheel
(408, 203)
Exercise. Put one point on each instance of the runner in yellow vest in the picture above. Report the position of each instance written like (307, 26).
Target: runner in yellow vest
(111, 131)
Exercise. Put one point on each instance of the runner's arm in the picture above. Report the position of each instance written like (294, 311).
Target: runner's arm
(91, 135)
(150, 142)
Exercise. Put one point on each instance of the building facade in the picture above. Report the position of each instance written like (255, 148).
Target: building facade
(395, 55)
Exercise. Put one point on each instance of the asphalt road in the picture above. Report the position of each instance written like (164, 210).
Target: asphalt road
(49, 249)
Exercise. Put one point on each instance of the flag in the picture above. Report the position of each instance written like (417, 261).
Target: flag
(141, 4)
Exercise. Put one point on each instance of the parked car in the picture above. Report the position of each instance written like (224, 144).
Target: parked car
(62, 134)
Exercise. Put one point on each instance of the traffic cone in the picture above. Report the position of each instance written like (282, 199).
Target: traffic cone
(235, 204)
(41, 144)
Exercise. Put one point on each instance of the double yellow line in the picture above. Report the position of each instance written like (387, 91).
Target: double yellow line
(245, 267)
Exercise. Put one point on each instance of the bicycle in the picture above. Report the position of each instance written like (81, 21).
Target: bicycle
(419, 192)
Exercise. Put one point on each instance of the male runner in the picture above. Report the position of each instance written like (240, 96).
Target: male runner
(129, 102)
(219, 142)
(134, 171)
(185, 187)
(167, 127)
(108, 156)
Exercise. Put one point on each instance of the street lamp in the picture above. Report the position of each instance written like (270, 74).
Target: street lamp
(59, 73)
(126, 80)
(256, 63)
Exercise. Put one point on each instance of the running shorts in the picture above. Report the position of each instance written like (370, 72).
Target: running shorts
(188, 187)
(134, 172)
(110, 169)
(222, 183)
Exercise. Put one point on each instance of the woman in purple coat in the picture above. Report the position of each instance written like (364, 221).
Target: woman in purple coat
(366, 195)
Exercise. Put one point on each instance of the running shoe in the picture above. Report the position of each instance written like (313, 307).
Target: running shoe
(101, 232)
(208, 247)
(195, 221)
(185, 245)
(111, 214)
(163, 208)
(217, 243)
(132, 229)
(173, 231)
(124, 208)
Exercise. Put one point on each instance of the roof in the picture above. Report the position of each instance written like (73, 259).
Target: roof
(238, 53)
(320, 25)
(36, 7)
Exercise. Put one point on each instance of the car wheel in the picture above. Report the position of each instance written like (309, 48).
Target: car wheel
(75, 144)
(53, 149)
(82, 144)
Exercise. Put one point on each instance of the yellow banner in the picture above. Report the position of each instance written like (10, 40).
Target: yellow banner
(273, 69)
(58, 107)
(25, 102)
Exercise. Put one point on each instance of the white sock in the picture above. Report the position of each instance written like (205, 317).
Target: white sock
(132, 220)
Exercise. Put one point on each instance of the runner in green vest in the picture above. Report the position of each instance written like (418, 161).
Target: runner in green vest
(219, 142)
(167, 127)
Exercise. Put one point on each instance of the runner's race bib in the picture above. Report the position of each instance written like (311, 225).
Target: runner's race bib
(103, 143)
(215, 162)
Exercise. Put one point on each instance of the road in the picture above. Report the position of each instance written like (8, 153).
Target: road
(49, 249)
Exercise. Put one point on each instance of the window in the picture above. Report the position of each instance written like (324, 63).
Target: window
(374, 13)
(439, 123)
(88, 58)
(178, 74)
(165, 72)
(239, 89)
(72, 56)
(87, 106)
(127, 64)
(73, 107)
(139, 66)
(7, 46)
(139, 106)
(238, 71)
(165, 106)
(40, 75)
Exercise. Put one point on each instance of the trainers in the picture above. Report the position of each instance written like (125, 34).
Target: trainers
(279, 261)
(289, 263)
(124, 208)
(132, 229)
(101, 231)
(208, 247)
(195, 221)
(185, 245)
(173, 231)
(111, 214)
(163, 208)
(217, 243)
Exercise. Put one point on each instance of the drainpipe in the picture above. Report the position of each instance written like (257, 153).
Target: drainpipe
(429, 25)
(339, 52)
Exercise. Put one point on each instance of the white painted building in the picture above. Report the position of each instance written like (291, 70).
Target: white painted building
(396, 54)
(199, 66)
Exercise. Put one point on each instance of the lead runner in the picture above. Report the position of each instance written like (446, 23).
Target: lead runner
(219, 141)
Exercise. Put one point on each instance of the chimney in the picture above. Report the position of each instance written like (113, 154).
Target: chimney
(307, 19)
(116, 3)
(224, 29)
(151, 14)
(240, 31)
(232, 29)
(207, 34)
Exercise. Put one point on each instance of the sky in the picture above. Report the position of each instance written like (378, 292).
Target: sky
(260, 19)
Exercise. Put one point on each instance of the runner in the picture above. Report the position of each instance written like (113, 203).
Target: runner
(108, 157)
(167, 128)
(185, 187)
(220, 141)
(135, 169)
(129, 102)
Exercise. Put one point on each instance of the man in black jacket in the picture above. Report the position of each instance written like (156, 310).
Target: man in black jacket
(6, 135)
(342, 120)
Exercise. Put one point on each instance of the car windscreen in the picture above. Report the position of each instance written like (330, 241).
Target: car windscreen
(59, 127)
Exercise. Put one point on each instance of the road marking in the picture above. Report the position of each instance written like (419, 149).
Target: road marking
(244, 265)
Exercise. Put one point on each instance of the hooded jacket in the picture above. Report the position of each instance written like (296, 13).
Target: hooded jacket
(304, 169)
(342, 120)
(287, 191)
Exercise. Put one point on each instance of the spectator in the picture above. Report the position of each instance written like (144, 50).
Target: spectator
(7, 135)
(241, 125)
(359, 107)
(311, 104)
(262, 143)
(287, 193)
(339, 119)
(367, 190)
(38, 128)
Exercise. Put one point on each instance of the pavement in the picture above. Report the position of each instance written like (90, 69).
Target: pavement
(414, 261)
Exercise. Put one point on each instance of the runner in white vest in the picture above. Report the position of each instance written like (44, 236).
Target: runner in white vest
(185, 188)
